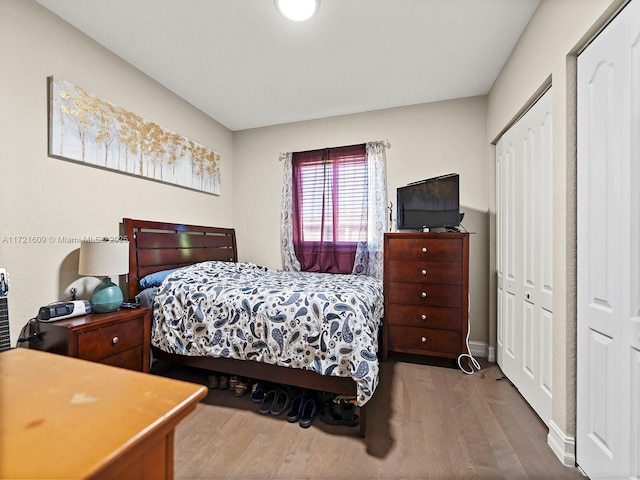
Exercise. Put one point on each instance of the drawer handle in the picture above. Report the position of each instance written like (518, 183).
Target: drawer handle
(424, 272)
(423, 339)
(424, 317)
(424, 294)
(424, 249)
(114, 340)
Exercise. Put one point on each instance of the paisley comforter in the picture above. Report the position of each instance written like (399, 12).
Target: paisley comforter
(326, 323)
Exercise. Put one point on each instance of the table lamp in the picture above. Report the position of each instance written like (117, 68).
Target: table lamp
(102, 259)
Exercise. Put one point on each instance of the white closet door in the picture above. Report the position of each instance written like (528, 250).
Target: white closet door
(524, 235)
(608, 383)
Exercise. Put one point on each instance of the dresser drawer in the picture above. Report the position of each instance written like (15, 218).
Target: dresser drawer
(424, 317)
(120, 338)
(427, 341)
(424, 249)
(131, 359)
(425, 294)
(105, 342)
(425, 272)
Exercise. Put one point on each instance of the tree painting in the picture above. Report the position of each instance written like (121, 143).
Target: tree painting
(89, 130)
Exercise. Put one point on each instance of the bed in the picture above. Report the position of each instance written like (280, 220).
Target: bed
(314, 331)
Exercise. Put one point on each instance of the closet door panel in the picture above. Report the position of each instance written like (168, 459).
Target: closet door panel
(524, 182)
(530, 207)
(634, 446)
(600, 183)
(634, 323)
(500, 251)
(608, 428)
(510, 344)
(530, 342)
(546, 370)
(599, 263)
(545, 223)
(601, 371)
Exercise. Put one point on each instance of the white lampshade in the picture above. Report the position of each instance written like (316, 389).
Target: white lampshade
(103, 259)
(100, 259)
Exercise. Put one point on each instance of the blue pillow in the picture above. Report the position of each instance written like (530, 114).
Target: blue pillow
(156, 279)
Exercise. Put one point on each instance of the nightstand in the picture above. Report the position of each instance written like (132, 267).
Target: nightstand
(121, 338)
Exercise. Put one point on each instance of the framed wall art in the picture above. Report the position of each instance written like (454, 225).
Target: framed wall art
(86, 129)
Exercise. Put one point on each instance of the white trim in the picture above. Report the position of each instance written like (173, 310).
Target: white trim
(481, 349)
(562, 445)
(491, 354)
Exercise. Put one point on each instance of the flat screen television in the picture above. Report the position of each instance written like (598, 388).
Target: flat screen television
(430, 203)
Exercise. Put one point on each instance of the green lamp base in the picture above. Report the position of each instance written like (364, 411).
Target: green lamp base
(107, 297)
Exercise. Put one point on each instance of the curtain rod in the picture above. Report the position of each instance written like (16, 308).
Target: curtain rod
(385, 142)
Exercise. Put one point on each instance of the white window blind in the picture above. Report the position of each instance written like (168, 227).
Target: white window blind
(333, 198)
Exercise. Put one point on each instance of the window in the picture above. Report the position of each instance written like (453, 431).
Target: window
(329, 207)
(334, 209)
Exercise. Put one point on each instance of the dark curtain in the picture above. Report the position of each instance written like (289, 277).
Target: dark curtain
(321, 180)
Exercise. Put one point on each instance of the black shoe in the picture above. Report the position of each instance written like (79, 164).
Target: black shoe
(309, 411)
(295, 409)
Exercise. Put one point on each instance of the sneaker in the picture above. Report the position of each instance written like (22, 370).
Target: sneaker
(258, 391)
(233, 381)
(224, 382)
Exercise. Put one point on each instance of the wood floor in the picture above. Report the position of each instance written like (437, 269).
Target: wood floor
(425, 421)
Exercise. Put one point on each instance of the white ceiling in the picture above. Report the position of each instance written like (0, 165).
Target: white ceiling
(244, 65)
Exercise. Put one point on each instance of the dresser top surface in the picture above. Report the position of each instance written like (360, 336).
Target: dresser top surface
(65, 418)
(429, 235)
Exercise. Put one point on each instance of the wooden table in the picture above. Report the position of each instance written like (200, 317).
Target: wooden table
(61, 417)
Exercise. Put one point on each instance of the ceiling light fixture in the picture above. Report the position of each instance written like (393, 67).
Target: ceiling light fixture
(298, 10)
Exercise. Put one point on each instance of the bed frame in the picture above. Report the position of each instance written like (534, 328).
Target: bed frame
(156, 246)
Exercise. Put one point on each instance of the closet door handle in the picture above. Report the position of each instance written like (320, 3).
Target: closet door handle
(423, 339)
(424, 272)
(424, 249)
(424, 294)
(424, 317)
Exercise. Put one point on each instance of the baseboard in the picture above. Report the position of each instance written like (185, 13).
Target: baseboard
(562, 445)
(491, 354)
(481, 349)
(478, 349)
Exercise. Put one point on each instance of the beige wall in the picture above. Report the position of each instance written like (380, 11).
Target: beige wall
(42, 196)
(544, 52)
(426, 140)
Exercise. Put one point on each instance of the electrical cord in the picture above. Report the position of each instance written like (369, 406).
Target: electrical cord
(33, 336)
(472, 361)
(33, 326)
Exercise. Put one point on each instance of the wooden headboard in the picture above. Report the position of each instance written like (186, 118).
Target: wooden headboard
(156, 246)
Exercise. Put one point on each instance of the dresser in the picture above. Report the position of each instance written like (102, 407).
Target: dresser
(67, 418)
(121, 338)
(426, 294)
